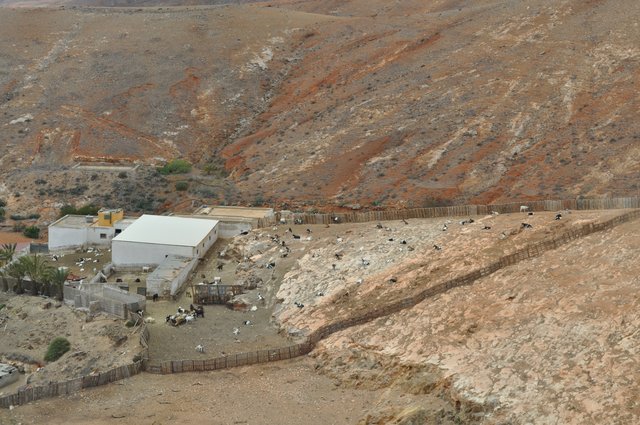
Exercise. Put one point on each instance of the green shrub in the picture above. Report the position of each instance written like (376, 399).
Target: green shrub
(34, 216)
(177, 166)
(84, 210)
(56, 349)
(32, 232)
(182, 186)
(17, 217)
(129, 323)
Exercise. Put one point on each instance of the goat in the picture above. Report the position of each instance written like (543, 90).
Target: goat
(437, 247)
(530, 213)
(486, 228)
(149, 320)
(338, 239)
(260, 297)
(200, 348)
(296, 236)
(244, 232)
(297, 221)
(403, 242)
(199, 311)
(271, 265)
(526, 226)
(283, 221)
(338, 255)
(190, 318)
(365, 263)
(217, 280)
(379, 226)
(444, 227)
(220, 267)
(181, 310)
(320, 294)
(405, 221)
(333, 266)
(393, 279)
(495, 213)
(558, 216)
(309, 231)
(524, 208)
(247, 322)
(336, 219)
(299, 305)
(236, 331)
(155, 297)
(390, 239)
(359, 281)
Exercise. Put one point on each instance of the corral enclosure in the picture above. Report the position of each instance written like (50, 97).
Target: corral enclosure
(101, 297)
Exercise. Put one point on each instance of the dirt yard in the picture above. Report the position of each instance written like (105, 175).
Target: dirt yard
(27, 328)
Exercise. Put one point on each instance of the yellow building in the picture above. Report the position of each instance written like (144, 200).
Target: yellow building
(108, 217)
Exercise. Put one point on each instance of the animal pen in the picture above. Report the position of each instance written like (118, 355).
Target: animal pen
(211, 293)
(100, 297)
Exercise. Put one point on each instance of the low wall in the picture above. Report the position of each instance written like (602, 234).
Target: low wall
(231, 229)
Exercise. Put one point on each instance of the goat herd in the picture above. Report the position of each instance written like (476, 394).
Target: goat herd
(183, 316)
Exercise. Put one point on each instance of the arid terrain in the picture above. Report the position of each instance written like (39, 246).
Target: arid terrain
(319, 104)
(550, 340)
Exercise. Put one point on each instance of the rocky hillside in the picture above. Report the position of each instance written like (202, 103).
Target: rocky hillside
(323, 102)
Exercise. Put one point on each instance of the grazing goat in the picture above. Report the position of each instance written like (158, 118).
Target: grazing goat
(181, 310)
(236, 331)
(526, 226)
(365, 263)
(309, 231)
(155, 297)
(296, 236)
(244, 232)
(444, 227)
(297, 221)
(271, 265)
(379, 226)
(486, 228)
(299, 305)
(200, 348)
(247, 322)
(220, 266)
(393, 279)
(558, 216)
(260, 297)
(437, 247)
(524, 208)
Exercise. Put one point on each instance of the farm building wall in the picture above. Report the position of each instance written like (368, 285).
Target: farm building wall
(130, 254)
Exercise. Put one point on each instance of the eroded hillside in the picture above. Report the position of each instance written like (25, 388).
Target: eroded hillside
(327, 103)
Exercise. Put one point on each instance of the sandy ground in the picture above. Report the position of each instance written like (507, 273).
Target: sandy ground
(27, 329)
(284, 393)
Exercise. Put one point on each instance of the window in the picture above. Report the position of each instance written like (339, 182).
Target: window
(103, 236)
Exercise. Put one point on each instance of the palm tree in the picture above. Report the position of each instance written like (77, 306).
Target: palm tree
(35, 268)
(57, 277)
(7, 252)
(16, 271)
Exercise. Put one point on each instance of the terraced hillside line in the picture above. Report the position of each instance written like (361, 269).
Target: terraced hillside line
(270, 355)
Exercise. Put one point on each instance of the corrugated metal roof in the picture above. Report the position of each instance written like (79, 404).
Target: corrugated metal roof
(167, 230)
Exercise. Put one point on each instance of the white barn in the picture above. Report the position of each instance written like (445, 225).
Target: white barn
(153, 238)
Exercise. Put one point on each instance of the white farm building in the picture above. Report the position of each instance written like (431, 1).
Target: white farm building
(153, 238)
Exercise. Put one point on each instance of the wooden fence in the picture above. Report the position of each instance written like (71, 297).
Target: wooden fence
(288, 352)
(452, 211)
(53, 389)
(28, 394)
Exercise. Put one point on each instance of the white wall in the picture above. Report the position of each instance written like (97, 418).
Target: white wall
(127, 254)
(204, 245)
(230, 230)
(93, 235)
(66, 237)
